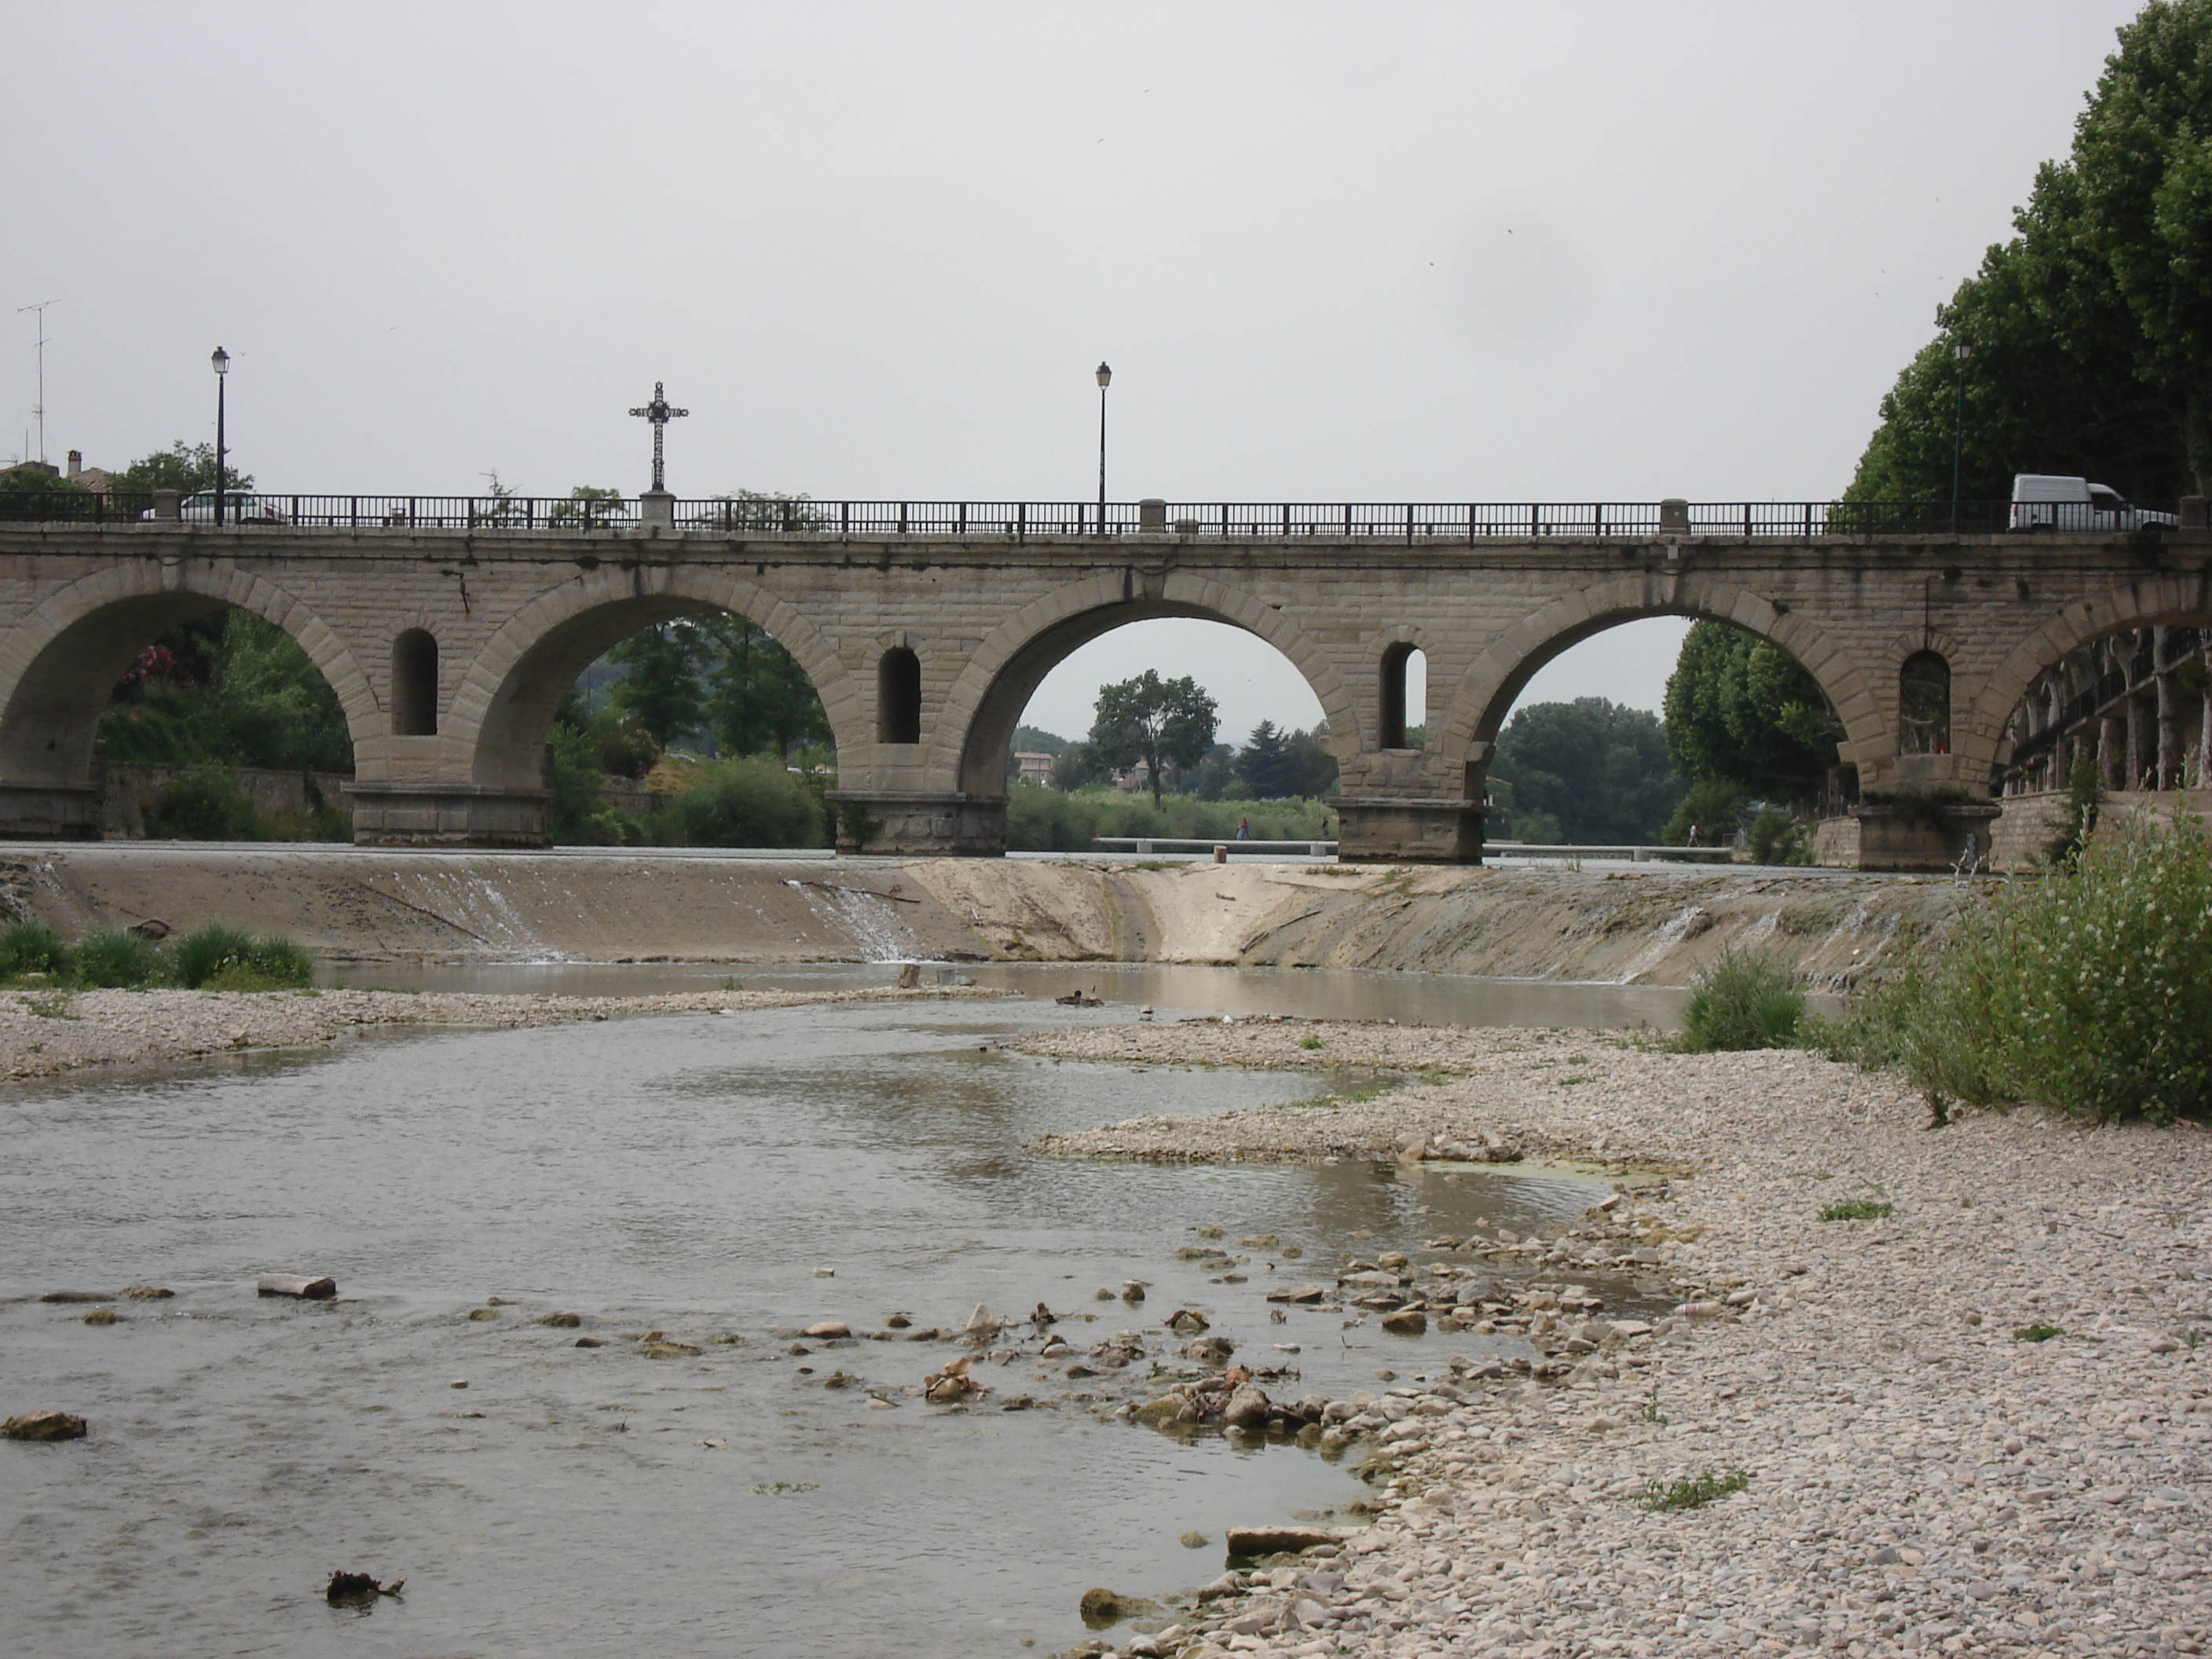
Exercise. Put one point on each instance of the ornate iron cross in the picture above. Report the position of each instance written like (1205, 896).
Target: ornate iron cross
(661, 414)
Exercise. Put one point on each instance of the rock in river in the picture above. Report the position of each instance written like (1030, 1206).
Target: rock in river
(1102, 1607)
(44, 1426)
(1247, 1408)
(1407, 1321)
(822, 1330)
(1272, 1540)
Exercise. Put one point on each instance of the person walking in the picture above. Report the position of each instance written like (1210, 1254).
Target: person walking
(1243, 829)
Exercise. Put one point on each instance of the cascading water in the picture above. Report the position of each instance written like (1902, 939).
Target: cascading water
(869, 920)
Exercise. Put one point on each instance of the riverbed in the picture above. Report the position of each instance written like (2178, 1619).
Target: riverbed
(721, 1179)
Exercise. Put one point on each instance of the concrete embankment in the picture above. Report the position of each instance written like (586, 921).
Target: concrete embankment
(1658, 927)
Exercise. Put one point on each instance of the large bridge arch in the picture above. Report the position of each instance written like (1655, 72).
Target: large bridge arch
(1486, 693)
(61, 661)
(503, 710)
(975, 723)
(1979, 712)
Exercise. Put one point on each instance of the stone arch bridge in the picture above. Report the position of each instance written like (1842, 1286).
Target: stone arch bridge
(450, 648)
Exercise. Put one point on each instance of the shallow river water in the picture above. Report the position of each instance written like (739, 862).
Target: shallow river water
(691, 1175)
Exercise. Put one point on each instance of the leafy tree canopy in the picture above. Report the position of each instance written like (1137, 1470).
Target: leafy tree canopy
(1279, 764)
(1589, 771)
(1161, 723)
(759, 701)
(2092, 328)
(228, 689)
(1741, 709)
(186, 468)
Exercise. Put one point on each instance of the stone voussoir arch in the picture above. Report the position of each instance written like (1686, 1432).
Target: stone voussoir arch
(1486, 691)
(1107, 597)
(142, 581)
(1978, 728)
(672, 590)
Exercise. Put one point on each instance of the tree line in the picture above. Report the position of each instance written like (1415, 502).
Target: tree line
(2088, 331)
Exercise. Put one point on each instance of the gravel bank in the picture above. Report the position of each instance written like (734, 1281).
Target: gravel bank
(42, 1033)
(1919, 1477)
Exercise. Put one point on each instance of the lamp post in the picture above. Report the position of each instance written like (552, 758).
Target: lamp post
(1105, 379)
(1959, 352)
(221, 361)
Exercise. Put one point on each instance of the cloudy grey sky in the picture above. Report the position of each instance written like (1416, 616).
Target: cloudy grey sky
(1373, 253)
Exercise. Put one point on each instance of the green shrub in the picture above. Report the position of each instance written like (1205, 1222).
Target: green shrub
(1692, 1492)
(204, 804)
(208, 949)
(215, 957)
(1777, 838)
(2089, 990)
(116, 959)
(2036, 1333)
(32, 947)
(1854, 1209)
(1745, 999)
(743, 803)
(280, 961)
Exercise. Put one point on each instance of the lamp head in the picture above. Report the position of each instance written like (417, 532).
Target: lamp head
(1105, 374)
(1961, 349)
(221, 361)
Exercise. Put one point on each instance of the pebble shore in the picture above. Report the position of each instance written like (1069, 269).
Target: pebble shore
(1977, 1423)
(46, 1032)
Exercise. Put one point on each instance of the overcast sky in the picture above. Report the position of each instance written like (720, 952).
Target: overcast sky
(1371, 252)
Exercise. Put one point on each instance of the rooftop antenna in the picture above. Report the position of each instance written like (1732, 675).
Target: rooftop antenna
(38, 409)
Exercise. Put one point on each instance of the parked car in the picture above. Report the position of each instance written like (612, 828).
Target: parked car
(238, 507)
(2043, 501)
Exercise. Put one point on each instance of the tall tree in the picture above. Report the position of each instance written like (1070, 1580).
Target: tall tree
(1589, 770)
(1741, 709)
(1261, 764)
(1161, 723)
(760, 701)
(660, 692)
(2091, 330)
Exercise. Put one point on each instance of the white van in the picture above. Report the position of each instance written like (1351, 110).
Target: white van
(2043, 501)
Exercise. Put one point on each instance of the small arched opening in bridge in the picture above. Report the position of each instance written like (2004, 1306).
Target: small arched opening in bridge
(675, 716)
(1028, 719)
(898, 696)
(415, 684)
(212, 721)
(1405, 696)
(1572, 720)
(1923, 704)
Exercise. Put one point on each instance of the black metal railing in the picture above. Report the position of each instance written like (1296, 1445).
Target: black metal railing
(754, 516)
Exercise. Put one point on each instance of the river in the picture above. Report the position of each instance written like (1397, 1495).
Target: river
(703, 1176)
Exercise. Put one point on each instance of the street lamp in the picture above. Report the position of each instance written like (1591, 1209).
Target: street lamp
(1960, 350)
(221, 361)
(1105, 379)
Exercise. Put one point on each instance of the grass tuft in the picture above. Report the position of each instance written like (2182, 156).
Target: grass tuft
(1854, 1209)
(1694, 1491)
(2036, 1333)
(116, 959)
(32, 947)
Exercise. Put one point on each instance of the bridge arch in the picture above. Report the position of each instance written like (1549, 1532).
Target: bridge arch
(1978, 715)
(59, 664)
(503, 710)
(976, 721)
(1487, 691)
